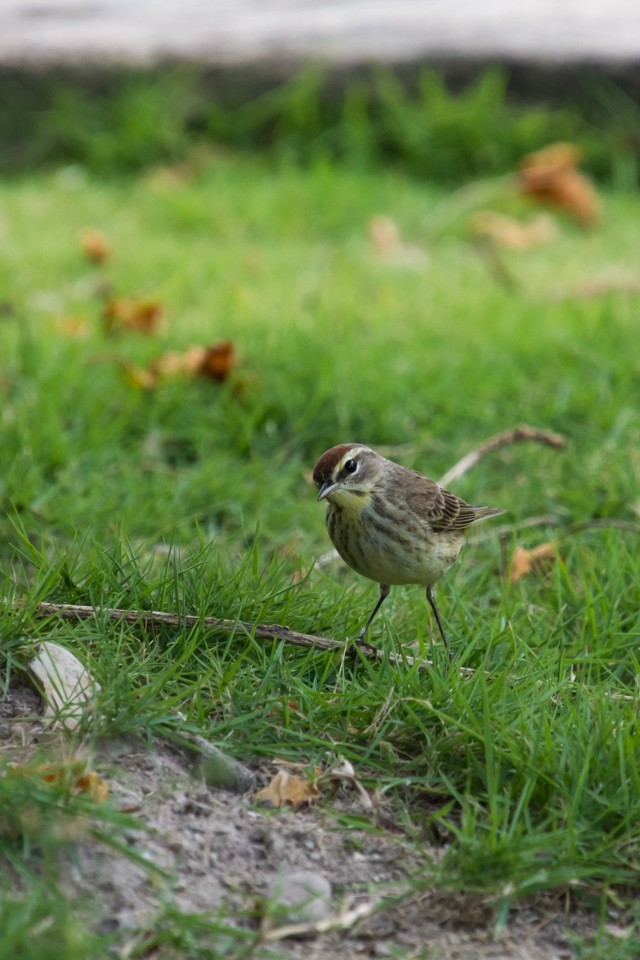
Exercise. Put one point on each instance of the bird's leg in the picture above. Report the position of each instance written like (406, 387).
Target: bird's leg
(431, 597)
(384, 593)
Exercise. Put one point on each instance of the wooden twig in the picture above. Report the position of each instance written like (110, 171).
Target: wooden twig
(602, 523)
(73, 611)
(520, 434)
(348, 915)
(262, 631)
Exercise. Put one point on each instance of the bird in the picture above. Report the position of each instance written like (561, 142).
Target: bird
(392, 524)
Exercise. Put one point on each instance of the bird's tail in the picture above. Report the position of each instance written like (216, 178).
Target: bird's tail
(483, 513)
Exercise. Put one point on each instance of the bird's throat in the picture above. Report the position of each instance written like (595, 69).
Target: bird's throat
(351, 503)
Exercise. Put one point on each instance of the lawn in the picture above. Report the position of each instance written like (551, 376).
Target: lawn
(195, 496)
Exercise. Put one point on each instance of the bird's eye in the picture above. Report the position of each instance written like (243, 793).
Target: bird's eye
(351, 466)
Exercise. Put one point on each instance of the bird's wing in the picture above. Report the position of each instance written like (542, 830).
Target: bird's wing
(442, 509)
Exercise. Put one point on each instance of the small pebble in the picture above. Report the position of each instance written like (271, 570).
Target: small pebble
(299, 896)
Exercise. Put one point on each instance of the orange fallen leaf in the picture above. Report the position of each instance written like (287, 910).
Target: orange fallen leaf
(218, 361)
(551, 176)
(94, 786)
(538, 560)
(511, 233)
(133, 314)
(95, 245)
(212, 363)
(286, 789)
(177, 362)
(71, 775)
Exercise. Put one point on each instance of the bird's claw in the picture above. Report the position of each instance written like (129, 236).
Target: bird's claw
(360, 645)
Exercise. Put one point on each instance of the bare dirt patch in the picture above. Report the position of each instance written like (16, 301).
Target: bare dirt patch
(220, 854)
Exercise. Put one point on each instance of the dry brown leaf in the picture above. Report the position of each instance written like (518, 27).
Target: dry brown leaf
(218, 361)
(212, 363)
(539, 560)
(514, 234)
(344, 772)
(551, 176)
(132, 314)
(95, 245)
(286, 789)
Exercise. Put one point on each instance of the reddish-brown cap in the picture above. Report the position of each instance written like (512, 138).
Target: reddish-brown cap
(325, 466)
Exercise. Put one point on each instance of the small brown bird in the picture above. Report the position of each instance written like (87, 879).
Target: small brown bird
(391, 524)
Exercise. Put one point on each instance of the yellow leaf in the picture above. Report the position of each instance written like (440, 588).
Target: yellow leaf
(288, 790)
(72, 775)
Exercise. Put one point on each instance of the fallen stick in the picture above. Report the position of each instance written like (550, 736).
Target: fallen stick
(73, 611)
(344, 919)
(262, 631)
(521, 434)
(602, 523)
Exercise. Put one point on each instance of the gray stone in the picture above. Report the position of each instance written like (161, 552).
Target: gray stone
(298, 896)
(215, 768)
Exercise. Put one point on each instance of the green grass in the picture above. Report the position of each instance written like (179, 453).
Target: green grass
(114, 121)
(196, 497)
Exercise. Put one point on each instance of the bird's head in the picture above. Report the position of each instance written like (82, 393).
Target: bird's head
(347, 474)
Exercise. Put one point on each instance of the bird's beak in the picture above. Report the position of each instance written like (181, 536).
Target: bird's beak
(327, 487)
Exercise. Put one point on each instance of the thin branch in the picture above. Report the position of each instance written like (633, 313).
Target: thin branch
(602, 524)
(348, 915)
(520, 434)
(72, 611)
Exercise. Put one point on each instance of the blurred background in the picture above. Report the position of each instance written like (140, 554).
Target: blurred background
(157, 73)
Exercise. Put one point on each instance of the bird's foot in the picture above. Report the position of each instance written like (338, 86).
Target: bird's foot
(360, 645)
